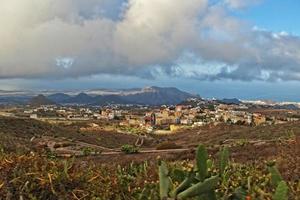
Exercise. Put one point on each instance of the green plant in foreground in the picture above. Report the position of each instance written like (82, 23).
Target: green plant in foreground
(164, 180)
(281, 192)
(129, 149)
(275, 175)
(199, 183)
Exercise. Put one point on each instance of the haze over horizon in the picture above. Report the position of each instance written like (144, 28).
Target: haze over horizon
(216, 48)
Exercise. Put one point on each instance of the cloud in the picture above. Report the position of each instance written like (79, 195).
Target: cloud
(75, 38)
(238, 4)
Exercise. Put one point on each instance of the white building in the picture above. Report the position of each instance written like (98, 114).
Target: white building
(33, 116)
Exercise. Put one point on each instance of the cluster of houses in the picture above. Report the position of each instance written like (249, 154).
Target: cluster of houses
(165, 117)
(175, 117)
(65, 113)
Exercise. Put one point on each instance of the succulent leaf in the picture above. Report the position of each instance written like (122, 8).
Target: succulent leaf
(185, 184)
(276, 177)
(200, 188)
(224, 159)
(201, 159)
(281, 192)
(164, 181)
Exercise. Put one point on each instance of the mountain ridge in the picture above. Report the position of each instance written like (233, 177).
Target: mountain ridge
(146, 96)
(40, 100)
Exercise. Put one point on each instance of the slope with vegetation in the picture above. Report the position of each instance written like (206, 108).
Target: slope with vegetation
(32, 176)
(27, 172)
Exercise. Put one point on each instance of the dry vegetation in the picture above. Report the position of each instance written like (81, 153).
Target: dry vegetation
(30, 172)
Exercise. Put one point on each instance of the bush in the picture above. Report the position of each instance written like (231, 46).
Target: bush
(87, 151)
(37, 177)
(129, 149)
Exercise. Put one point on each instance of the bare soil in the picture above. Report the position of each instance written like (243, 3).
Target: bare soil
(247, 144)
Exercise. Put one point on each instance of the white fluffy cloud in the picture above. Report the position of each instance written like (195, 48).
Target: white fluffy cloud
(74, 38)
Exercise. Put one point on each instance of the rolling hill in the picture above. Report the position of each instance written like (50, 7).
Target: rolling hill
(40, 100)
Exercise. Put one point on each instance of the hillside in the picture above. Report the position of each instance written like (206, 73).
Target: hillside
(59, 97)
(145, 96)
(230, 101)
(129, 176)
(81, 98)
(40, 100)
(158, 96)
(19, 138)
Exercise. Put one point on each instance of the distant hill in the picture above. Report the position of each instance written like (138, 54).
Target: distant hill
(59, 97)
(158, 96)
(145, 96)
(81, 98)
(14, 100)
(287, 107)
(40, 100)
(194, 102)
(230, 101)
(109, 99)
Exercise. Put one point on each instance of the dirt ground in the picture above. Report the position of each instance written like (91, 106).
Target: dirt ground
(212, 135)
(247, 144)
(21, 131)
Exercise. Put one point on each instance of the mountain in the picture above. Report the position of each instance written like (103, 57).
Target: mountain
(40, 100)
(145, 96)
(81, 98)
(59, 97)
(14, 100)
(230, 101)
(158, 96)
(109, 99)
(287, 107)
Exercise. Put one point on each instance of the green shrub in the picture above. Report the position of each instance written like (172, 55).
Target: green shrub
(87, 151)
(129, 149)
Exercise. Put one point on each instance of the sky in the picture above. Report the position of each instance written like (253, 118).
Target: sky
(248, 49)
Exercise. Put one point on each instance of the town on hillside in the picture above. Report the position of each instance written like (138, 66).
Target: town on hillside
(161, 119)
